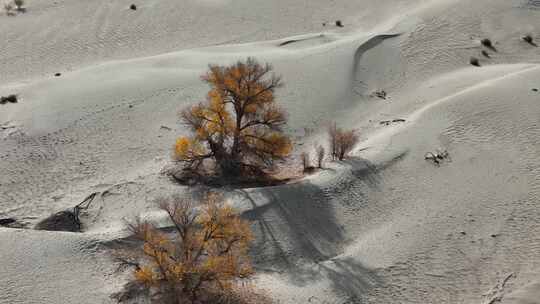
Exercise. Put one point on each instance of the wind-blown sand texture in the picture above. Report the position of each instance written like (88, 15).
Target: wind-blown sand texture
(385, 226)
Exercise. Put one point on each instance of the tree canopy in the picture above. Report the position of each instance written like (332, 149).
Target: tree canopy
(239, 126)
(204, 258)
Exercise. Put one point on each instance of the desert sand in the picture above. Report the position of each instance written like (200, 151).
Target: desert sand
(385, 226)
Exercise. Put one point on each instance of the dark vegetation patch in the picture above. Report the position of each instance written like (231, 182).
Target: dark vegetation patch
(9, 99)
(488, 44)
(529, 39)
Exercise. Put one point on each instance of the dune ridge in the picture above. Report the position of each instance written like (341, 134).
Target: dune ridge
(385, 226)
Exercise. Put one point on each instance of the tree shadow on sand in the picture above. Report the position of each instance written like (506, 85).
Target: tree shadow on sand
(298, 232)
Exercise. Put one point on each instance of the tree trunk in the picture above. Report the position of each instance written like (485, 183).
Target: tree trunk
(227, 164)
(230, 168)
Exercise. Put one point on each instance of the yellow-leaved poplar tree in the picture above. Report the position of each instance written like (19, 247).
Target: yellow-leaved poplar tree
(203, 260)
(239, 126)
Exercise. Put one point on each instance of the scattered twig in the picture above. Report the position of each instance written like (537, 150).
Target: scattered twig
(438, 156)
(495, 294)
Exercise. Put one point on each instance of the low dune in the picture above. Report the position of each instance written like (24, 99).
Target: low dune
(384, 226)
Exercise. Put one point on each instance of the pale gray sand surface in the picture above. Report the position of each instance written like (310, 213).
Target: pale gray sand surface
(384, 227)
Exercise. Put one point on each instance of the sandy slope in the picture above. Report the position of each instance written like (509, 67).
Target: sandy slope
(62, 35)
(44, 267)
(384, 227)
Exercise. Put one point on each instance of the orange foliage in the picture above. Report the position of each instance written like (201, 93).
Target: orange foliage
(240, 124)
(206, 256)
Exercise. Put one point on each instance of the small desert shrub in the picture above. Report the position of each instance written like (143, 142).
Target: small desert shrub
(529, 39)
(474, 61)
(339, 23)
(487, 43)
(9, 99)
(341, 141)
(485, 54)
(239, 129)
(19, 4)
(203, 262)
(133, 7)
(321, 152)
(306, 163)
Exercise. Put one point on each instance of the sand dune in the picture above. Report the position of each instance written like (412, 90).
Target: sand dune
(386, 226)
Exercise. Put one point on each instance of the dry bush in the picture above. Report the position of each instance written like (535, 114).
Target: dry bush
(205, 258)
(239, 127)
(474, 61)
(13, 98)
(321, 152)
(341, 141)
(488, 44)
(529, 39)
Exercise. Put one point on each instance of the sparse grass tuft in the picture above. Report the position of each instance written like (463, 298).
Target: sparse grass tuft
(487, 43)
